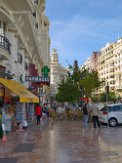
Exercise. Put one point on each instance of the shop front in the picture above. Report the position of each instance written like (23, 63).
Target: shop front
(17, 103)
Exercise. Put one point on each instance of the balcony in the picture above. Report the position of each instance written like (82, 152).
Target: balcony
(118, 87)
(4, 43)
(7, 75)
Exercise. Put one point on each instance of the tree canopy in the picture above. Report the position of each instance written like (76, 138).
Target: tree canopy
(78, 83)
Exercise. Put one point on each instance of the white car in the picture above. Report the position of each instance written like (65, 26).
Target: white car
(111, 114)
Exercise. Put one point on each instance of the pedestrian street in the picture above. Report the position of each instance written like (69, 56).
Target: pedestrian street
(63, 142)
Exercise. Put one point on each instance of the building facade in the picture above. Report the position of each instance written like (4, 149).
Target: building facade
(91, 63)
(24, 51)
(24, 37)
(109, 66)
(57, 73)
(106, 66)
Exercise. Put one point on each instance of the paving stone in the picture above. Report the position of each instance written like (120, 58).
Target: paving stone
(24, 147)
(8, 160)
(29, 140)
(110, 153)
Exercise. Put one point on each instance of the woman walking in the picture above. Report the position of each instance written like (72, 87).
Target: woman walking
(85, 115)
(38, 113)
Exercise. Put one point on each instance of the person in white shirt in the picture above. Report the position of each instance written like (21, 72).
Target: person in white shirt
(95, 118)
(24, 124)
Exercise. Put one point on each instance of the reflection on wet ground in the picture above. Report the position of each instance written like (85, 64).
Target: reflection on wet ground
(63, 142)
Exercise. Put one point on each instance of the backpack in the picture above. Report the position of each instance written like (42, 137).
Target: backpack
(85, 111)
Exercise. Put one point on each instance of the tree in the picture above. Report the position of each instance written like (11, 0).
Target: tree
(78, 83)
(111, 97)
(102, 97)
(67, 91)
(90, 82)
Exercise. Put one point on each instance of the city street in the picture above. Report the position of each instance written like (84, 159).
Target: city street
(63, 142)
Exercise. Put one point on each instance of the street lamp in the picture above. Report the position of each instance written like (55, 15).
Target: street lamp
(107, 93)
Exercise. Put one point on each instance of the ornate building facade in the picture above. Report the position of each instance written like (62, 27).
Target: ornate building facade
(24, 40)
(24, 51)
(24, 36)
(57, 73)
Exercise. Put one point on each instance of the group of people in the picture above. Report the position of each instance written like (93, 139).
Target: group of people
(88, 112)
(92, 112)
(22, 125)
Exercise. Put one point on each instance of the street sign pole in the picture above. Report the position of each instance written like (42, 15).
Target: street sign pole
(39, 94)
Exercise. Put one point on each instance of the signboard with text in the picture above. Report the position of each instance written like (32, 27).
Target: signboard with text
(38, 79)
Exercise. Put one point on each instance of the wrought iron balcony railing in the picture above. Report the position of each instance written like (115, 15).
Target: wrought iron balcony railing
(6, 75)
(4, 43)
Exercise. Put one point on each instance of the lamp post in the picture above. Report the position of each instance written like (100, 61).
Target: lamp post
(107, 100)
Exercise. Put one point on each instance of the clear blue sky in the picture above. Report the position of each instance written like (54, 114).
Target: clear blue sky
(79, 27)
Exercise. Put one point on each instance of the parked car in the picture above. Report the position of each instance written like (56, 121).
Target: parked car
(111, 114)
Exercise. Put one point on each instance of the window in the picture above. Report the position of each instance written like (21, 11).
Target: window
(45, 24)
(115, 108)
(36, 1)
(2, 28)
(120, 108)
(36, 25)
(112, 109)
(26, 66)
(34, 14)
(104, 108)
(19, 58)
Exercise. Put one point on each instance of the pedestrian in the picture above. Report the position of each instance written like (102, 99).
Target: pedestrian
(85, 112)
(24, 124)
(54, 107)
(38, 112)
(95, 117)
(1, 129)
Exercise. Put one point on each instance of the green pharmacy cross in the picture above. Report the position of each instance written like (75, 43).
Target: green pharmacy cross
(45, 70)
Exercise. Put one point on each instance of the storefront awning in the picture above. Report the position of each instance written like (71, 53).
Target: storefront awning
(20, 90)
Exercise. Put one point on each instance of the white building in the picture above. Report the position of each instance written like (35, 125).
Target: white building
(57, 73)
(24, 37)
(109, 66)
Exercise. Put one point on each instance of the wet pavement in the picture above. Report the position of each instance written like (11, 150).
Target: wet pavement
(63, 142)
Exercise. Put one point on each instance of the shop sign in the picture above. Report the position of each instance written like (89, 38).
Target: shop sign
(40, 79)
(45, 70)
